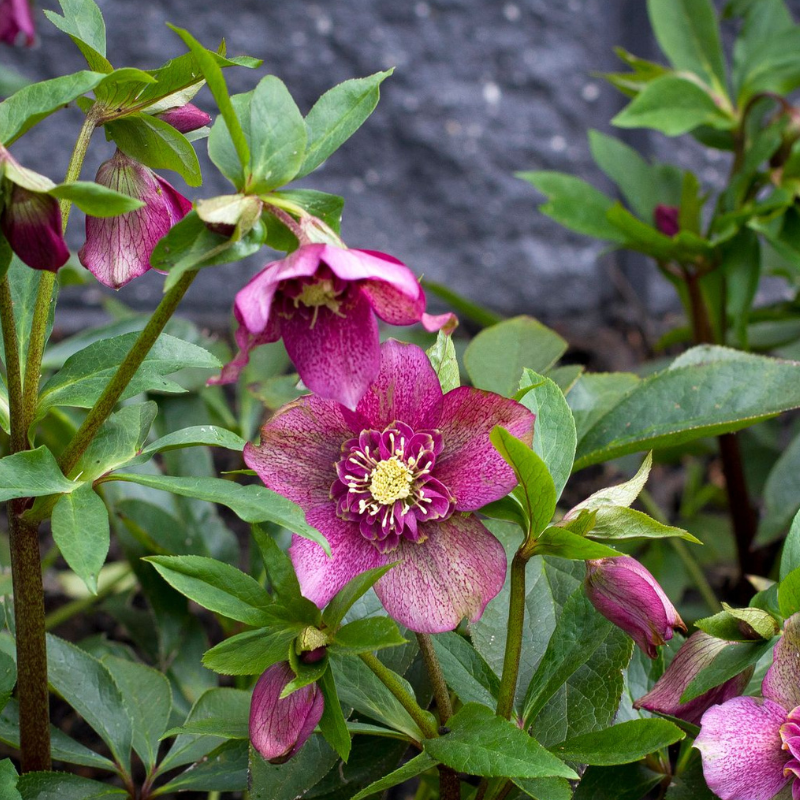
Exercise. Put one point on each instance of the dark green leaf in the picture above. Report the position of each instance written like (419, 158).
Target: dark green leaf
(466, 673)
(32, 473)
(279, 567)
(626, 523)
(8, 780)
(790, 558)
(8, 678)
(367, 635)
(252, 652)
(332, 724)
(789, 593)
(416, 766)
(627, 782)
(595, 395)
(211, 435)
(782, 502)
(63, 786)
(344, 599)
(556, 541)
(222, 770)
(82, 533)
(294, 778)
(545, 788)
(230, 720)
(481, 743)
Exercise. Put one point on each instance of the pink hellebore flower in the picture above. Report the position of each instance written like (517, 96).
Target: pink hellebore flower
(625, 593)
(118, 249)
(696, 653)
(390, 482)
(751, 747)
(16, 18)
(185, 118)
(280, 727)
(323, 299)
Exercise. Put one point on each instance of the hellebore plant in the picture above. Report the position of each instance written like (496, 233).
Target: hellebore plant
(751, 747)
(393, 481)
(118, 249)
(323, 301)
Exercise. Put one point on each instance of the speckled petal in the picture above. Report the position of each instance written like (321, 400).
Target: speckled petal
(393, 305)
(406, 389)
(351, 554)
(782, 681)
(31, 221)
(453, 574)
(338, 354)
(300, 445)
(741, 748)
(470, 466)
(363, 265)
(280, 727)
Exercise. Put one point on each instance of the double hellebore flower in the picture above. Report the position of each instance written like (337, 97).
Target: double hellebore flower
(118, 249)
(16, 18)
(280, 727)
(323, 299)
(696, 653)
(625, 593)
(30, 217)
(751, 747)
(390, 482)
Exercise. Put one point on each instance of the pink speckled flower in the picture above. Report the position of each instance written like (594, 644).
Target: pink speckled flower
(323, 300)
(280, 727)
(751, 747)
(390, 482)
(16, 18)
(625, 593)
(118, 249)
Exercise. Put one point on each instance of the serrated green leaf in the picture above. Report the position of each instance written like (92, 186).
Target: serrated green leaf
(368, 635)
(614, 523)
(252, 652)
(465, 672)
(32, 473)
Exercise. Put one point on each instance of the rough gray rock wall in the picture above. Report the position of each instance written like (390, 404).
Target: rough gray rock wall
(481, 89)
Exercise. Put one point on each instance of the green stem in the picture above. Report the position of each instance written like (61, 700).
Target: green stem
(13, 372)
(683, 552)
(434, 669)
(390, 680)
(516, 620)
(125, 372)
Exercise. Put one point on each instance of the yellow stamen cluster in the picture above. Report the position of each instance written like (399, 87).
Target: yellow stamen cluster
(391, 480)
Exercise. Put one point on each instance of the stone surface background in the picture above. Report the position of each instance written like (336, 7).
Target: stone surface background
(481, 89)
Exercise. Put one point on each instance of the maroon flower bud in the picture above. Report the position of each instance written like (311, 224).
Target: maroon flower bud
(696, 653)
(280, 727)
(185, 118)
(667, 219)
(118, 249)
(31, 221)
(15, 19)
(625, 593)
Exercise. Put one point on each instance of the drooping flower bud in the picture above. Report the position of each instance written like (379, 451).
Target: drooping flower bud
(16, 18)
(118, 249)
(667, 219)
(696, 653)
(625, 593)
(185, 118)
(280, 727)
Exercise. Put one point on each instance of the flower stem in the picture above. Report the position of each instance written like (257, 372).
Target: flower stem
(516, 619)
(125, 372)
(434, 670)
(407, 700)
(13, 372)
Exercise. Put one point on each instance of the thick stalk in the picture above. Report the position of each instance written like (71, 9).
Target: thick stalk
(434, 670)
(516, 620)
(407, 700)
(125, 372)
(13, 372)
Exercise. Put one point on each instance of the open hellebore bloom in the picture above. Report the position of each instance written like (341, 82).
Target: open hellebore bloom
(751, 747)
(323, 299)
(31, 218)
(696, 653)
(185, 118)
(280, 727)
(16, 18)
(118, 249)
(625, 593)
(389, 483)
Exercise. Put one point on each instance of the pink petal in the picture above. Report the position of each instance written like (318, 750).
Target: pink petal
(31, 221)
(393, 305)
(363, 265)
(176, 205)
(470, 467)
(299, 447)
(741, 747)
(782, 681)
(337, 355)
(446, 323)
(351, 554)
(185, 118)
(453, 574)
(16, 18)
(406, 389)
(246, 342)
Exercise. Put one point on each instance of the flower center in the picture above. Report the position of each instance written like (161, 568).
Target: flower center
(391, 480)
(790, 741)
(319, 293)
(385, 483)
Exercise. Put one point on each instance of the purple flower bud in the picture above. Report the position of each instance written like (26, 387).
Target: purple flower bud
(696, 653)
(279, 728)
(15, 19)
(666, 219)
(118, 249)
(31, 221)
(185, 118)
(625, 593)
